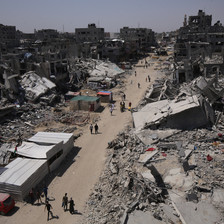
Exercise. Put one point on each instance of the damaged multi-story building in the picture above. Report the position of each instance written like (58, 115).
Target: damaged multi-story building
(141, 38)
(198, 43)
(8, 38)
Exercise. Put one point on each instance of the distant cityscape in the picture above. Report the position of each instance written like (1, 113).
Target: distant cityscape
(48, 52)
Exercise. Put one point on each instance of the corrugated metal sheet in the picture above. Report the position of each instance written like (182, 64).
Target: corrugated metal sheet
(33, 150)
(85, 98)
(21, 175)
(51, 137)
(19, 170)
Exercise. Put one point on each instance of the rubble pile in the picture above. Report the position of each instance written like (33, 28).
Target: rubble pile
(96, 73)
(142, 177)
(28, 117)
(122, 188)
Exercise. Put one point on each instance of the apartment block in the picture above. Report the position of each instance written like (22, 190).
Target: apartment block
(90, 34)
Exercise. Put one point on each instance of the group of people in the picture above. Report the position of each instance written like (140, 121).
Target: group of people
(96, 127)
(65, 203)
(36, 195)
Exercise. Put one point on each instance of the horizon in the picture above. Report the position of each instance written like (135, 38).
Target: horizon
(68, 15)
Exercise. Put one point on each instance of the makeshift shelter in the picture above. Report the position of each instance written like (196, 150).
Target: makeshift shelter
(19, 176)
(69, 95)
(51, 146)
(87, 103)
(105, 96)
(60, 145)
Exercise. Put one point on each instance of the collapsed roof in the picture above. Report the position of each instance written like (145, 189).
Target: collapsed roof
(191, 112)
(106, 69)
(35, 86)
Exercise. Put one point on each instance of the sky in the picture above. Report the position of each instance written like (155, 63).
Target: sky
(66, 15)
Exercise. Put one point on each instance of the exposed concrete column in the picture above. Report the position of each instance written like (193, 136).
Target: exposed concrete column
(177, 76)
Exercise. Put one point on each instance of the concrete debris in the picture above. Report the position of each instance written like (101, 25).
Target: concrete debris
(96, 73)
(28, 117)
(35, 86)
(4, 154)
(127, 187)
(201, 212)
(188, 113)
(143, 218)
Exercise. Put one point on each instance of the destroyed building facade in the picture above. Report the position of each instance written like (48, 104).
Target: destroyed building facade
(90, 34)
(198, 44)
(142, 38)
(8, 37)
(199, 33)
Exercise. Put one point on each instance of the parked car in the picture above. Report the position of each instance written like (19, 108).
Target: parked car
(6, 203)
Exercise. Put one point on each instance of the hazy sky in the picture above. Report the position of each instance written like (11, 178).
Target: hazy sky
(159, 15)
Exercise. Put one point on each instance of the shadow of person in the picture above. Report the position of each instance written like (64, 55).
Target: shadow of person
(54, 217)
(98, 133)
(38, 203)
(51, 198)
(76, 212)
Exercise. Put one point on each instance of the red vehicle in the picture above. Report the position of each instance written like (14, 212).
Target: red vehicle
(6, 203)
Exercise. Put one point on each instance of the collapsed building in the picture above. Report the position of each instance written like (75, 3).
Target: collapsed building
(198, 44)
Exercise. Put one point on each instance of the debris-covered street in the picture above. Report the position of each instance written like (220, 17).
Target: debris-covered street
(113, 130)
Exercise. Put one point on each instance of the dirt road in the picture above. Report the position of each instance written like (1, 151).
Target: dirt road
(84, 170)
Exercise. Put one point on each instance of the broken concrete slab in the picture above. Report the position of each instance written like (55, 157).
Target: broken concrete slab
(143, 218)
(144, 158)
(200, 213)
(148, 175)
(180, 148)
(181, 114)
(170, 213)
(218, 198)
(149, 137)
(178, 180)
(35, 86)
(187, 153)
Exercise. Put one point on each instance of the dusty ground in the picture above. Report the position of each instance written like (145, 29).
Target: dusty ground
(78, 175)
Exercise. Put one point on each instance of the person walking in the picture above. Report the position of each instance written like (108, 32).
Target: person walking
(124, 96)
(123, 106)
(96, 128)
(138, 85)
(65, 202)
(111, 111)
(91, 128)
(45, 190)
(31, 195)
(135, 74)
(71, 206)
(38, 195)
(48, 207)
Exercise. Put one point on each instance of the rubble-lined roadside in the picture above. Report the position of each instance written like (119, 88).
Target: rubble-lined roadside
(128, 183)
(32, 117)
